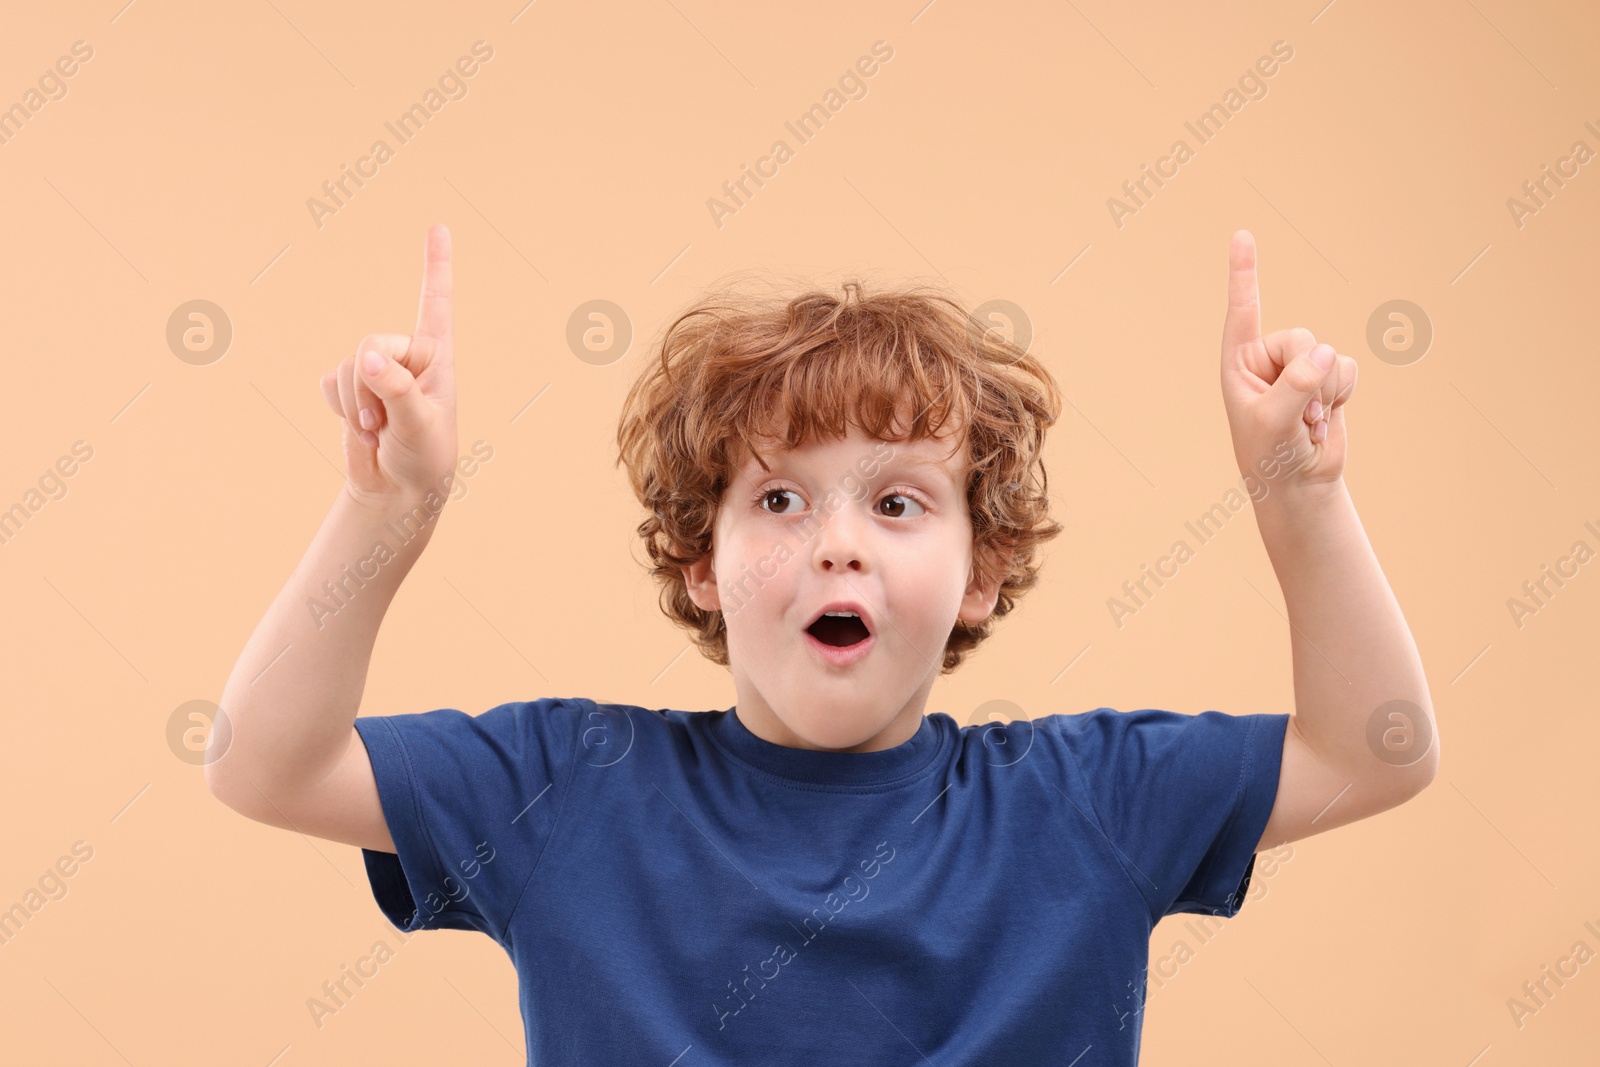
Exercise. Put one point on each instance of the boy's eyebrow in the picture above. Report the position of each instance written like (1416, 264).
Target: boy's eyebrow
(898, 462)
(917, 463)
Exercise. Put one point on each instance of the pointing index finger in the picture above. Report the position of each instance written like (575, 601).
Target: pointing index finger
(1243, 324)
(434, 318)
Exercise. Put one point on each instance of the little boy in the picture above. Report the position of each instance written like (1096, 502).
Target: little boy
(843, 496)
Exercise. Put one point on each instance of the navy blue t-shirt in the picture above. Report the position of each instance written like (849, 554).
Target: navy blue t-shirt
(673, 889)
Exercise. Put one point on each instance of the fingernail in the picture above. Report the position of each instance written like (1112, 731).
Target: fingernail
(1314, 410)
(368, 419)
(373, 363)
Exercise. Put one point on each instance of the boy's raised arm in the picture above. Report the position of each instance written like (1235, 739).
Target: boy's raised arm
(1362, 738)
(286, 750)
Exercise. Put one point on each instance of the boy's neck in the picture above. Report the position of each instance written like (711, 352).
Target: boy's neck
(767, 725)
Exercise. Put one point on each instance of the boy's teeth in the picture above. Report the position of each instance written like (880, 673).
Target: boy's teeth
(842, 614)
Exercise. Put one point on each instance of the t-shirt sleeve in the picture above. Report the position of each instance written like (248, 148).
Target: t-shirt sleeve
(1183, 799)
(470, 802)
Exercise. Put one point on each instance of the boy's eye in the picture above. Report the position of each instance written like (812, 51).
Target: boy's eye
(906, 499)
(897, 511)
(767, 496)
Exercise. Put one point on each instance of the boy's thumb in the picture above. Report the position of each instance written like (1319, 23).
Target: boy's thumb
(1300, 381)
(392, 383)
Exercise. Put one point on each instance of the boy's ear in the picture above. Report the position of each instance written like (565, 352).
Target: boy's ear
(982, 593)
(701, 581)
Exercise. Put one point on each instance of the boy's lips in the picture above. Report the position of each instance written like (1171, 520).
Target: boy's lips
(841, 655)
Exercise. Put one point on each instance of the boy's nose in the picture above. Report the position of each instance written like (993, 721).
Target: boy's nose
(840, 542)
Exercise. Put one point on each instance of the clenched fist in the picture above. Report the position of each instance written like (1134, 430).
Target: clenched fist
(397, 396)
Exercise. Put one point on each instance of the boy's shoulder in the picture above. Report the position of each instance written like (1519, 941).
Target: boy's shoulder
(599, 732)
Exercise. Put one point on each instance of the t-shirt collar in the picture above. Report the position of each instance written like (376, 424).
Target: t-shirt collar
(888, 766)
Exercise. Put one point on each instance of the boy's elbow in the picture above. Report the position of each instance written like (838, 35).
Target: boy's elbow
(216, 776)
(233, 786)
(229, 775)
(223, 787)
(1423, 772)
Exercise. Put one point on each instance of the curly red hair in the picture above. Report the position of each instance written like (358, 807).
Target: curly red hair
(732, 369)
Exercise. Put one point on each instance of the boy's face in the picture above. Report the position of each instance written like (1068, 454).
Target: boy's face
(877, 524)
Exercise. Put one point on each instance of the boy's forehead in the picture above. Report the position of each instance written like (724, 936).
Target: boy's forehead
(933, 455)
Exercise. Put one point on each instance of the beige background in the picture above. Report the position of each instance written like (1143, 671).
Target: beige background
(578, 167)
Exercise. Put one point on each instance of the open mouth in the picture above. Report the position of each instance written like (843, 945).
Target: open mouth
(839, 631)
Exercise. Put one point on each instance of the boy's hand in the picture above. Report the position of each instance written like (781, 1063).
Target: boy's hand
(400, 419)
(1275, 393)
